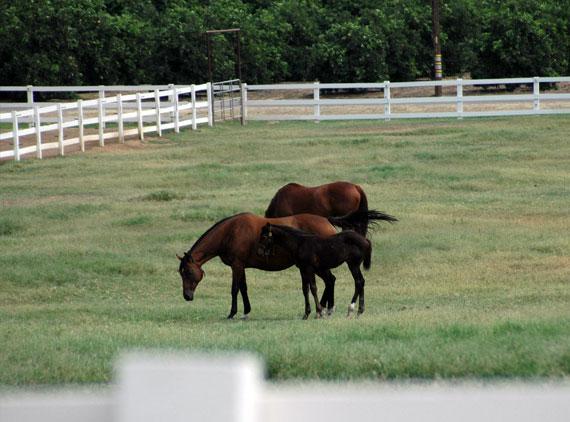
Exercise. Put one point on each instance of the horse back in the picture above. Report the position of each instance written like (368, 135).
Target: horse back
(330, 200)
(341, 198)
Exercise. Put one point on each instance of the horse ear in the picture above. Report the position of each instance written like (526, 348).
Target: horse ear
(179, 257)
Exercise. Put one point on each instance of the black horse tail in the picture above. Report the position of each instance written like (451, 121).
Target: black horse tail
(362, 228)
(368, 255)
(360, 221)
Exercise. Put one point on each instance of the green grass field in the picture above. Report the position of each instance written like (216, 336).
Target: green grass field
(473, 282)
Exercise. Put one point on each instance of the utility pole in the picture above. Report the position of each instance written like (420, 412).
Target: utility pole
(438, 69)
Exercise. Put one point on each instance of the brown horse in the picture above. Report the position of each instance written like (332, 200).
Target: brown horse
(331, 200)
(236, 241)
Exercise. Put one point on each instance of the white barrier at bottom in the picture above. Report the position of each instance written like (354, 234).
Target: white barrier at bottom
(178, 387)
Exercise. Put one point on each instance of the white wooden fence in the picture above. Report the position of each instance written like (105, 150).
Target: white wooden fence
(382, 108)
(169, 107)
(153, 388)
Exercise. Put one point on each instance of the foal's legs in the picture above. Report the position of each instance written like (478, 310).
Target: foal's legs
(305, 286)
(308, 278)
(358, 289)
(327, 299)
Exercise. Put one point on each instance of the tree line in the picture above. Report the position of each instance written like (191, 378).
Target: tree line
(91, 42)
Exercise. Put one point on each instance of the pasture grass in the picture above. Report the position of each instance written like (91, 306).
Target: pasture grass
(473, 282)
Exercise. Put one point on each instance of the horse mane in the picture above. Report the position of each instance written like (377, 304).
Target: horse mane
(223, 220)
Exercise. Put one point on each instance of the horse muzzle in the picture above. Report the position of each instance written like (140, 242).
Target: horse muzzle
(188, 295)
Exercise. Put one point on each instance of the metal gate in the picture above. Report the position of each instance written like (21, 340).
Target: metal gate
(227, 104)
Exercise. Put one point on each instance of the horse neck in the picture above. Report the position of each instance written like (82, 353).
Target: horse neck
(207, 247)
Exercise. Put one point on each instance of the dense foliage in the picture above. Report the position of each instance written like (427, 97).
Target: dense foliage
(160, 41)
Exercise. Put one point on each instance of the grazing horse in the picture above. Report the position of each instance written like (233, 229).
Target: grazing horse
(330, 200)
(236, 241)
(313, 254)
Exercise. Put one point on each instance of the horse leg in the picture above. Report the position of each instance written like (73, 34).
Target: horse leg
(305, 287)
(245, 297)
(358, 289)
(327, 300)
(238, 275)
(309, 276)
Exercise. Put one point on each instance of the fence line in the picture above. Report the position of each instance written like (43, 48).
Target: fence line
(147, 106)
(385, 103)
(174, 388)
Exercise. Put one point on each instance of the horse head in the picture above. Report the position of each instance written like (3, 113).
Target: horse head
(266, 242)
(191, 274)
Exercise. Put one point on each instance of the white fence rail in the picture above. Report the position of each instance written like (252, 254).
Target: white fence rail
(153, 388)
(163, 107)
(382, 107)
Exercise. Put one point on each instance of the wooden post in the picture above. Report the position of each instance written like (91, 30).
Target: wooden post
(38, 127)
(210, 97)
(120, 122)
(438, 67)
(60, 130)
(176, 110)
(387, 105)
(140, 117)
(101, 122)
(193, 98)
(157, 105)
(536, 93)
(317, 97)
(81, 125)
(16, 136)
(243, 104)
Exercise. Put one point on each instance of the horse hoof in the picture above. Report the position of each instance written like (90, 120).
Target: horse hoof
(230, 317)
(305, 317)
(350, 310)
(330, 311)
(245, 317)
(319, 315)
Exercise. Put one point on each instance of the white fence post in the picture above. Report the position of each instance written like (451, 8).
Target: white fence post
(81, 125)
(157, 105)
(140, 117)
(179, 389)
(244, 104)
(60, 130)
(101, 116)
(38, 127)
(120, 122)
(101, 97)
(459, 98)
(16, 136)
(210, 98)
(317, 98)
(387, 105)
(176, 110)
(193, 99)
(171, 101)
(536, 93)
(30, 98)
